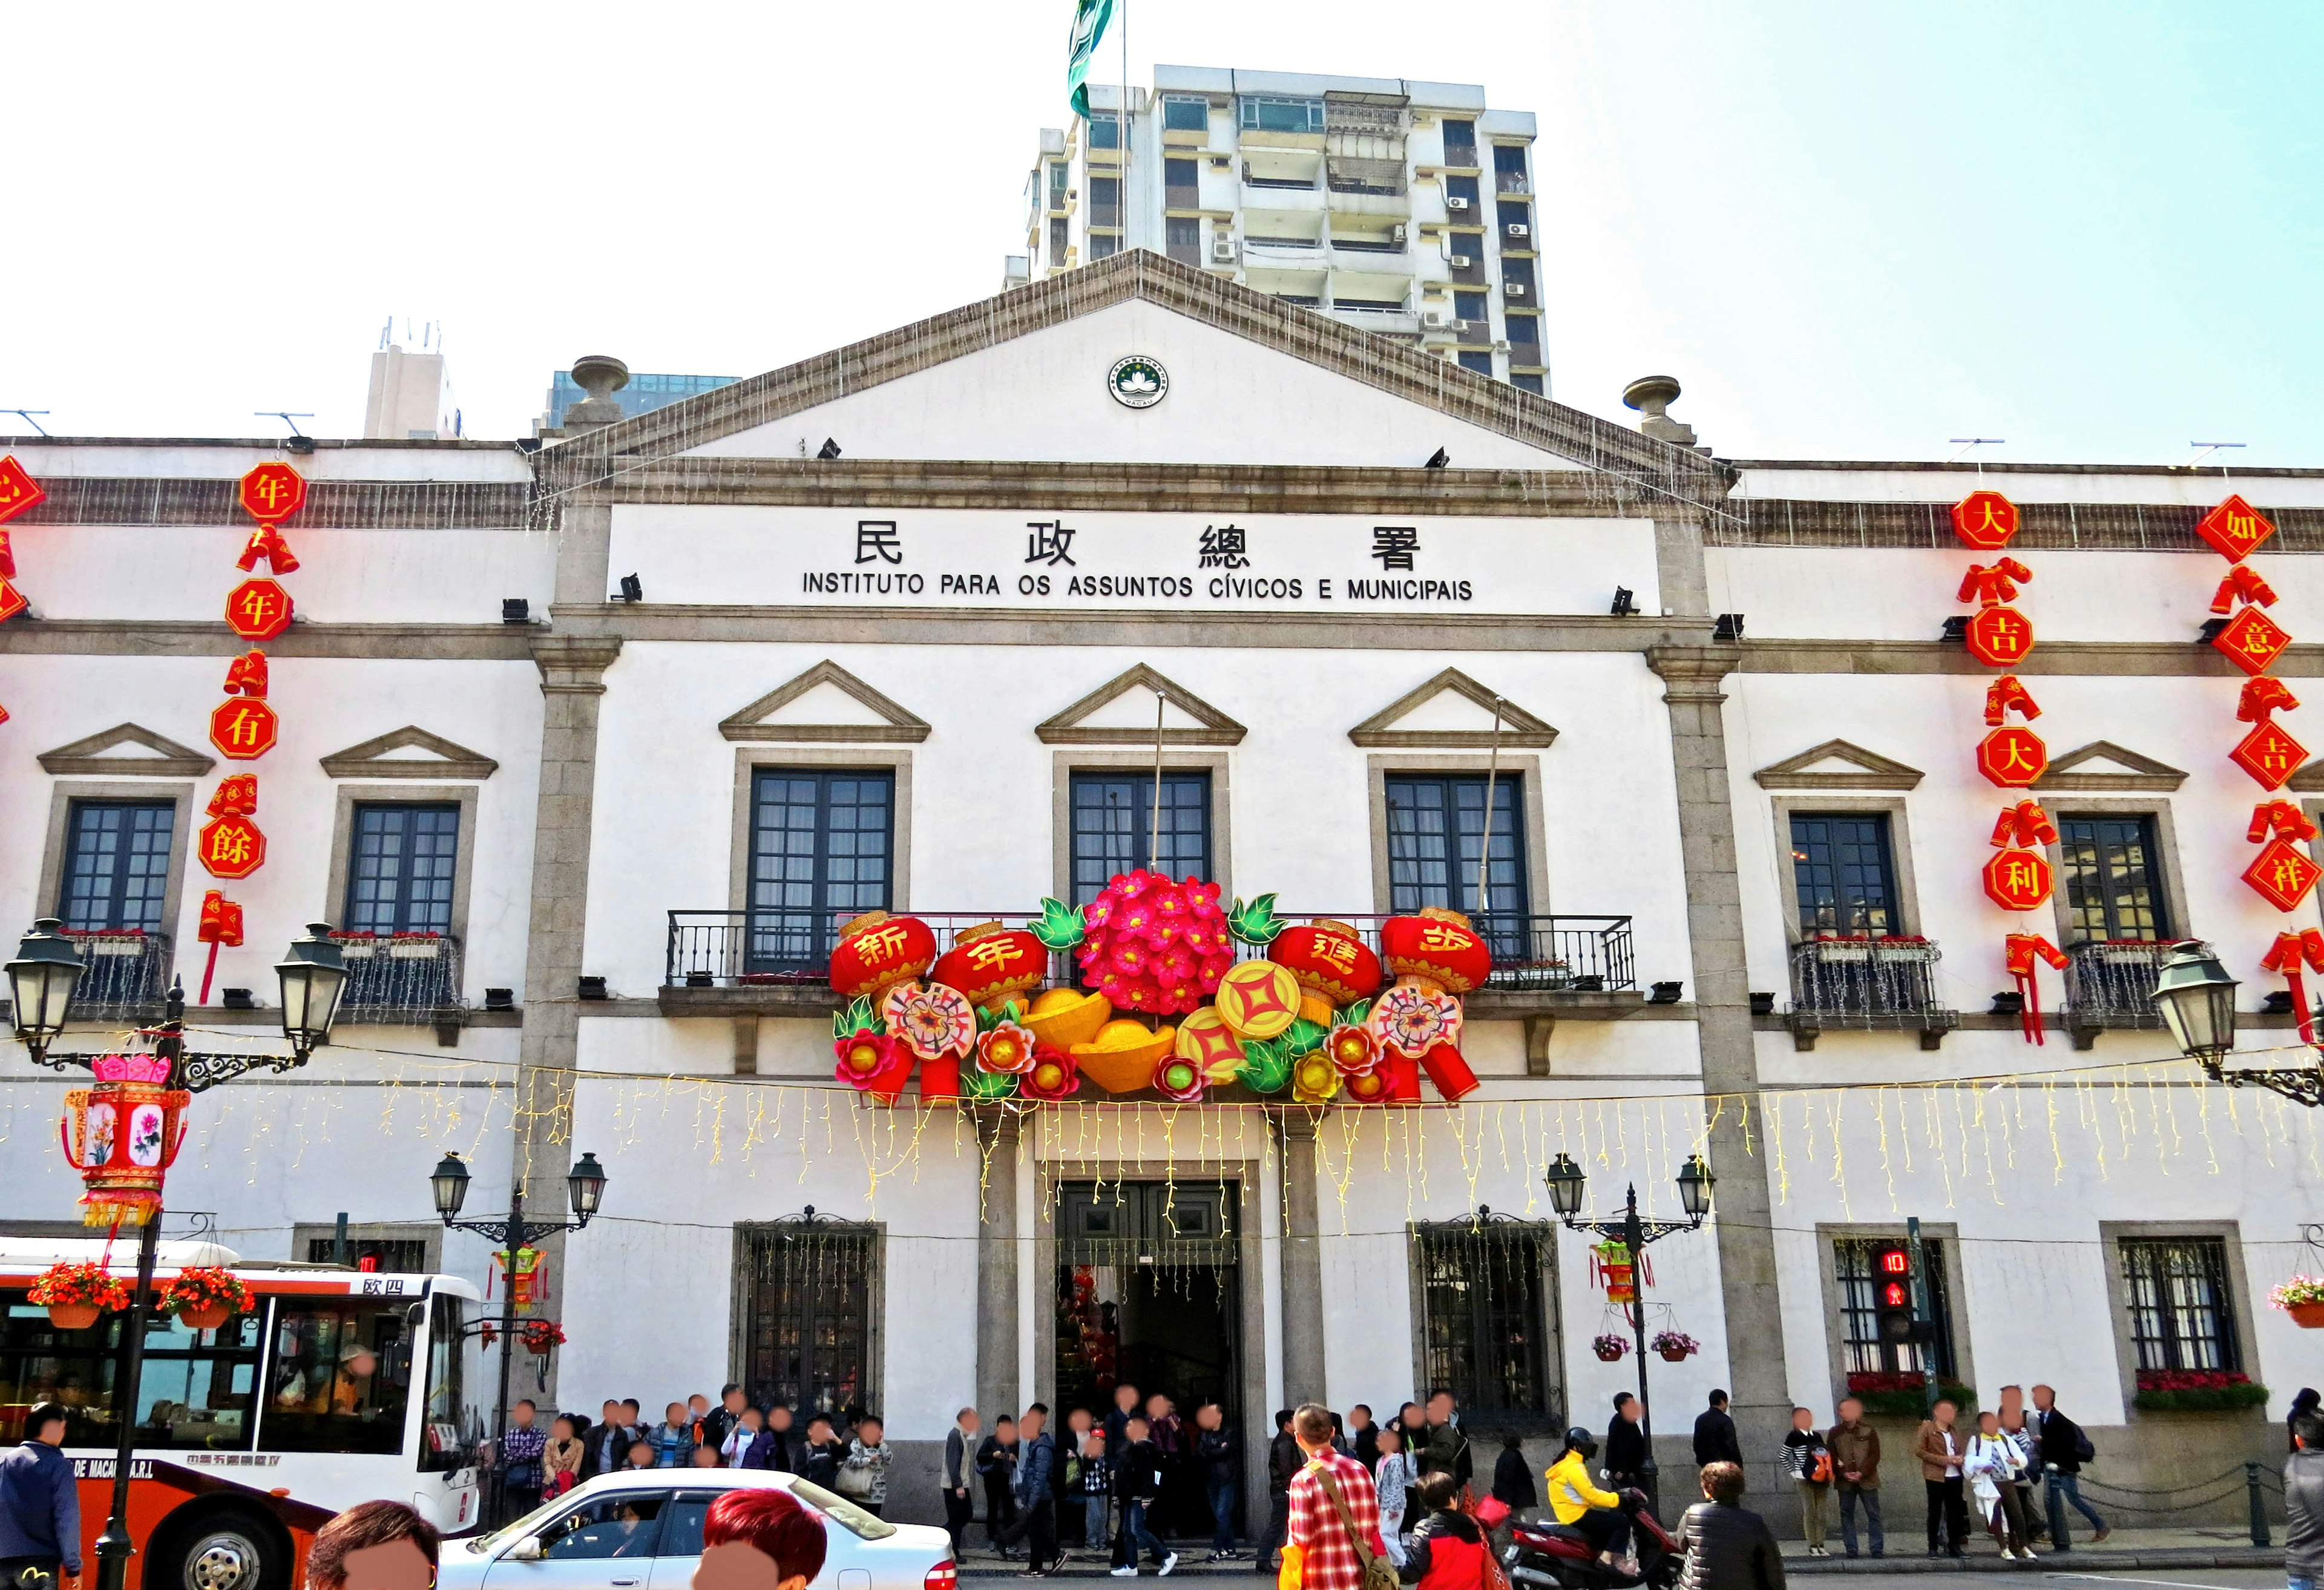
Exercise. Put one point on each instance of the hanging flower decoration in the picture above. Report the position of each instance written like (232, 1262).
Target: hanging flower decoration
(1609, 1348)
(78, 1284)
(205, 1295)
(1313, 1078)
(1353, 1051)
(1675, 1344)
(929, 1019)
(1152, 943)
(1178, 1080)
(539, 1336)
(873, 1062)
(1008, 1049)
(1051, 1077)
(1412, 1019)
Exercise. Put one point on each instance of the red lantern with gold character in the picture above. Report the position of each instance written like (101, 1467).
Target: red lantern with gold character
(1437, 949)
(258, 610)
(2270, 755)
(2000, 637)
(876, 951)
(1332, 966)
(992, 965)
(244, 729)
(1984, 521)
(121, 1136)
(2013, 757)
(2283, 873)
(2018, 880)
(231, 847)
(2252, 641)
(272, 492)
(2234, 529)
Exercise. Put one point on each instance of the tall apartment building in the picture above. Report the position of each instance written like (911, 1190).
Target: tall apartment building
(1405, 208)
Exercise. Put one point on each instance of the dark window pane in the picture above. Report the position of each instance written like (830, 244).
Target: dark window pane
(807, 1317)
(2181, 1314)
(1185, 239)
(1842, 871)
(2113, 886)
(1187, 116)
(1482, 364)
(1436, 828)
(1486, 1325)
(821, 851)
(1525, 382)
(1113, 820)
(400, 877)
(1855, 1260)
(116, 864)
(340, 1378)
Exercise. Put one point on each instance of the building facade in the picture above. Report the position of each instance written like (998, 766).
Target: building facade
(1408, 208)
(1683, 734)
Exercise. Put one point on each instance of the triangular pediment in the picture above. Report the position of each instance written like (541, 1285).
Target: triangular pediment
(2103, 764)
(825, 705)
(2309, 780)
(1451, 711)
(409, 752)
(1238, 362)
(129, 748)
(1837, 763)
(1122, 712)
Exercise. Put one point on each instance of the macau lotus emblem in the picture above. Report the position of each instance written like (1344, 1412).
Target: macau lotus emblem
(1138, 382)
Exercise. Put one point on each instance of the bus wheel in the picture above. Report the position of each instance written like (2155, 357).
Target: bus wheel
(224, 1551)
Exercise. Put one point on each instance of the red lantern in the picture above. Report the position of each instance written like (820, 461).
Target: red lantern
(1329, 963)
(2283, 873)
(258, 610)
(2018, 880)
(991, 964)
(2252, 640)
(2269, 754)
(272, 492)
(1449, 1073)
(1984, 521)
(231, 847)
(1403, 1078)
(2012, 756)
(1437, 947)
(876, 951)
(246, 674)
(2000, 637)
(2234, 528)
(244, 729)
(121, 1136)
(18, 491)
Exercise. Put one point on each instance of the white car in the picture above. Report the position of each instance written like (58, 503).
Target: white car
(641, 1530)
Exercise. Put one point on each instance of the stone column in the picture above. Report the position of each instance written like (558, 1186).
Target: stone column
(997, 1346)
(1303, 1259)
(572, 680)
(1762, 1402)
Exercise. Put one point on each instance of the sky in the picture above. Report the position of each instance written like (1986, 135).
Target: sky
(1850, 231)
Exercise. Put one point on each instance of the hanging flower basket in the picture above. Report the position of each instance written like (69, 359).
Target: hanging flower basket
(2302, 1298)
(75, 1294)
(205, 1297)
(1609, 1348)
(541, 1336)
(1675, 1346)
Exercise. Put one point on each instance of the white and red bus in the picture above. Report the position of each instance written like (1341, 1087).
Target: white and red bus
(337, 1387)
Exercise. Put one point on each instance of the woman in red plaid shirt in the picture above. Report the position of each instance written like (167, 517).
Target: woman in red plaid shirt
(1317, 1555)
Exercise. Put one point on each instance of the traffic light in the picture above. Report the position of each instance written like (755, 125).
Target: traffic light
(1893, 1276)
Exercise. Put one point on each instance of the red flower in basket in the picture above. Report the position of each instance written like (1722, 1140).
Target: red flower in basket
(539, 1336)
(204, 1296)
(1609, 1348)
(1674, 1346)
(76, 1293)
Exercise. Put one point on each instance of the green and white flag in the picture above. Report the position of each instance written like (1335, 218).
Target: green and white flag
(1090, 18)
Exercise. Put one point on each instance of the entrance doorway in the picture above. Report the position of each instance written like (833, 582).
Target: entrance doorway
(1148, 1294)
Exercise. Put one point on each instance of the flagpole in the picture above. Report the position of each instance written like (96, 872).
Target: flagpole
(1122, 116)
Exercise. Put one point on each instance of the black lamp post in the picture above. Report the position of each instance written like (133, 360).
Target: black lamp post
(40, 983)
(1566, 1184)
(585, 1184)
(2197, 999)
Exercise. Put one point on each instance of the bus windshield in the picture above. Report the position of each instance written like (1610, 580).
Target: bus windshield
(452, 1423)
(340, 1380)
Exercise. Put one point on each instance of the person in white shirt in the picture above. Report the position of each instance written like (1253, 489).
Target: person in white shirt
(737, 1444)
(1991, 1466)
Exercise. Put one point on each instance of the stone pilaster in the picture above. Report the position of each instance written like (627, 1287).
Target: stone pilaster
(1714, 913)
(997, 1347)
(1303, 1259)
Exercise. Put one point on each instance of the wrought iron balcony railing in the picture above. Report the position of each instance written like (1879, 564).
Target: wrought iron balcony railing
(1866, 982)
(399, 979)
(747, 949)
(2110, 983)
(125, 975)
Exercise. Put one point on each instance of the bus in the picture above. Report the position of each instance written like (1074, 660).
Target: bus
(336, 1387)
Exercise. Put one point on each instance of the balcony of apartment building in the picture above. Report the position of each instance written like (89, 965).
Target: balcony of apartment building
(1277, 177)
(1372, 247)
(1187, 120)
(2110, 983)
(1285, 240)
(400, 979)
(1279, 122)
(1866, 980)
(1103, 146)
(778, 963)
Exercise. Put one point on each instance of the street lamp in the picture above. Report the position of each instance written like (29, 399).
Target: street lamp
(1567, 1183)
(41, 984)
(448, 1184)
(2197, 999)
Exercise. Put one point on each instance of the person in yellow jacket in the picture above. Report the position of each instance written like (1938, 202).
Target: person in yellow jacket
(1579, 1504)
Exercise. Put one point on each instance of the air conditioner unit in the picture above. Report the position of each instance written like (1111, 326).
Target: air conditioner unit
(1435, 321)
(1461, 262)
(1222, 252)
(1516, 289)
(1222, 162)
(1520, 229)
(1423, 173)
(1456, 203)
(1500, 347)
(1400, 231)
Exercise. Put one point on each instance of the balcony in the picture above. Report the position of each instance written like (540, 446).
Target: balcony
(400, 979)
(2110, 983)
(778, 963)
(1887, 984)
(125, 976)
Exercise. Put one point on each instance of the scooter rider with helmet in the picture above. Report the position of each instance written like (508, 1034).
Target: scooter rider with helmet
(1600, 1515)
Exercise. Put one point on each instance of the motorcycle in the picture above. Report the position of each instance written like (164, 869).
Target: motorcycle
(1551, 1555)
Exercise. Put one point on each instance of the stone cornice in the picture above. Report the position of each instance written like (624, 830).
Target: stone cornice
(2124, 659)
(27, 637)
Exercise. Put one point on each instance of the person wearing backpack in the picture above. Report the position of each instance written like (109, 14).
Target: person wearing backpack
(2063, 1449)
(1807, 1459)
(1136, 1486)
